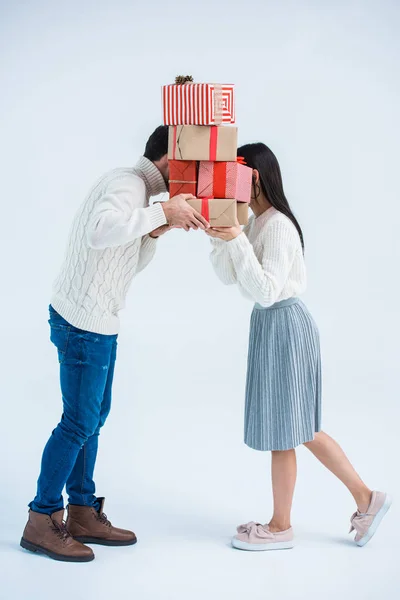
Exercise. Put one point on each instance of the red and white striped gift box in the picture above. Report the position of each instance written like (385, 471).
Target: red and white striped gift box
(198, 104)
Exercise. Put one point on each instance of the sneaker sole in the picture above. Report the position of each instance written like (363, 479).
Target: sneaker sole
(239, 545)
(376, 522)
(61, 557)
(102, 542)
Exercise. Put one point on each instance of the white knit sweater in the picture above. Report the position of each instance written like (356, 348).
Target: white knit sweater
(266, 260)
(108, 246)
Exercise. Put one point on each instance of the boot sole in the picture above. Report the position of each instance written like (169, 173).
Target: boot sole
(102, 542)
(61, 557)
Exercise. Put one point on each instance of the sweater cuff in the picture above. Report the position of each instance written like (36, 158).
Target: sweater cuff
(217, 243)
(148, 243)
(238, 246)
(156, 215)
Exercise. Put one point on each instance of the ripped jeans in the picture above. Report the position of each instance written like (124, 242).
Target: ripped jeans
(87, 363)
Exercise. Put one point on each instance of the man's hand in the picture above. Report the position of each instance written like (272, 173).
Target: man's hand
(225, 233)
(160, 231)
(180, 214)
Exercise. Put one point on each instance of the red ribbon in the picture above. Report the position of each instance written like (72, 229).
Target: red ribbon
(213, 143)
(205, 209)
(241, 161)
(219, 180)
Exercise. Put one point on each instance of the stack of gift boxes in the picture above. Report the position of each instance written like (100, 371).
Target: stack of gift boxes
(202, 150)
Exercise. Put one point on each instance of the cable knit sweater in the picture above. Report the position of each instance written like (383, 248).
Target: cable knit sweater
(108, 246)
(266, 260)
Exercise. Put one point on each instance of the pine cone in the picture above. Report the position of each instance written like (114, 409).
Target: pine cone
(182, 79)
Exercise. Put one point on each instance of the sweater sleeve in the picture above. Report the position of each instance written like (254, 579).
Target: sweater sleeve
(221, 259)
(146, 253)
(222, 262)
(264, 282)
(121, 215)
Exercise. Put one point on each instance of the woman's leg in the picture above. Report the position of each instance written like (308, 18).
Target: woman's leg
(284, 471)
(330, 454)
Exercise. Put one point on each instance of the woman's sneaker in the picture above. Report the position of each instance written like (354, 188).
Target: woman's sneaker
(256, 537)
(366, 524)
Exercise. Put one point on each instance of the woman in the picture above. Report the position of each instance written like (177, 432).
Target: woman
(283, 391)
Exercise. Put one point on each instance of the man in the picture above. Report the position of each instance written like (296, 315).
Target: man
(113, 237)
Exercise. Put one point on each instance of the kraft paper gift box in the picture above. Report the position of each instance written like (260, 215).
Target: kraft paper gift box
(194, 142)
(242, 213)
(224, 180)
(221, 212)
(198, 104)
(182, 177)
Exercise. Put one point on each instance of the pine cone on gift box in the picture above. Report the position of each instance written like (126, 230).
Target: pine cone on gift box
(182, 79)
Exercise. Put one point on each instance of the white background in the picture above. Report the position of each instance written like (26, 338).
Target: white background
(80, 93)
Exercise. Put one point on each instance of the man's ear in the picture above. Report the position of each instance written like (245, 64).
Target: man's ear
(164, 161)
(163, 166)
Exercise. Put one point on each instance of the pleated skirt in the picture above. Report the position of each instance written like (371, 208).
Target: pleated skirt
(283, 388)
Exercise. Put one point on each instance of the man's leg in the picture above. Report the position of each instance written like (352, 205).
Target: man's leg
(86, 521)
(80, 485)
(84, 360)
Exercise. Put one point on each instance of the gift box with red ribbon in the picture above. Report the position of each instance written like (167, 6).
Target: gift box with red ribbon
(242, 212)
(182, 177)
(192, 142)
(221, 212)
(198, 103)
(224, 180)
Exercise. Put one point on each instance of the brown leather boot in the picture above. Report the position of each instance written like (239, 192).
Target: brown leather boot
(47, 534)
(88, 526)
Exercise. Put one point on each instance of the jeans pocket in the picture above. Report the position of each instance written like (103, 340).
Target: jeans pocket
(59, 335)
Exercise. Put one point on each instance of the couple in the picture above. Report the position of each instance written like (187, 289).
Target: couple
(113, 238)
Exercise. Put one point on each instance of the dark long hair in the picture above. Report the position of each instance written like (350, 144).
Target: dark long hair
(259, 156)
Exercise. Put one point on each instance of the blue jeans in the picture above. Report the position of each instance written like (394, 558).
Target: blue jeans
(87, 363)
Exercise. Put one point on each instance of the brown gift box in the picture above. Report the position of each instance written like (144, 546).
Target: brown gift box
(196, 142)
(222, 212)
(242, 212)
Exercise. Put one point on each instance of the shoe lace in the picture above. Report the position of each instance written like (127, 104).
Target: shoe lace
(61, 530)
(103, 519)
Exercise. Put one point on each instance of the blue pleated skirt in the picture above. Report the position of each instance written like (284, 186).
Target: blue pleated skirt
(283, 389)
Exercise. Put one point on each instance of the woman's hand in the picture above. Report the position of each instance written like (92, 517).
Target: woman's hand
(227, 234)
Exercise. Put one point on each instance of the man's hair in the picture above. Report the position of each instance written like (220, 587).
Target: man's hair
(157, 144)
